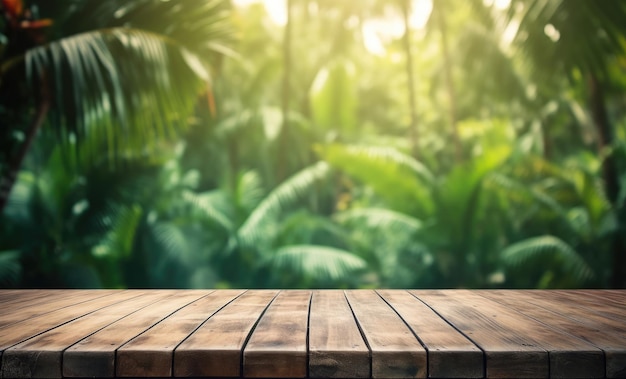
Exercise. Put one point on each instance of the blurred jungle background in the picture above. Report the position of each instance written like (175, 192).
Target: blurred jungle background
(313, 143)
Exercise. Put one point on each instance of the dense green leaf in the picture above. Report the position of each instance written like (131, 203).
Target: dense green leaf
(10, 268)
(285, 196)
(548, 246)
(318, 262)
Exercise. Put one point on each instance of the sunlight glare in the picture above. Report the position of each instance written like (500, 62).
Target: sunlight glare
(376, 32)
(276, 9)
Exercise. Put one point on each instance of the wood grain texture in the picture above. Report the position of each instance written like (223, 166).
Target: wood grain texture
(13, 300)
(590, 305)
(46, 302)
(444, 344)
(612, 343)
(336, 347)
(94, 356)
(18, 332)
(278, 345)
(151, 353)
(516, 345)
(396, 352)
(215, 349)
(322, 333)
(41, 356)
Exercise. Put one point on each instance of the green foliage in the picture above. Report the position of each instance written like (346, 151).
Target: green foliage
(334, 97)
(10, 268)
(93, 87)
(401, 180)
(287, 195)
(325, 264)
(322, 194)
(553, 252)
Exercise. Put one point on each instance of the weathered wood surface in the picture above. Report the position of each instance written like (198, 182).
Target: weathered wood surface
(313, 333)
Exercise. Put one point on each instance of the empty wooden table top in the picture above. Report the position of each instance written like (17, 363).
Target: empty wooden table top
(313, 333)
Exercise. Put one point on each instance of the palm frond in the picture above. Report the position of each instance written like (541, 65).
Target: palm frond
(589, 33)
(117, 88)
(10, 268)
(398, 178)
(120, 240)
(548, 246)
(516, 189)
(386, 154)
(249, 191)
(380, 218)
(317, 262)
(170, 238)
(285, 196)
(305, 227)
(200, 25)
(210, 207)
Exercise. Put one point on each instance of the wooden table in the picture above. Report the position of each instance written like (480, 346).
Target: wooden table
(317, 334)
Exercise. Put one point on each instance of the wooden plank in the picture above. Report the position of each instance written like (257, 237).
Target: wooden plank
(16, 333)
(590, 304)
(215, 349)
(614, 296)
(613, 345)
(396, 352)
(278, 345)
(41, 356)
(94, 356)
(49, 303)
(151, 353)
(515, 345)
(17, 299)
(582, 306)
(443, 343)
(336, 347)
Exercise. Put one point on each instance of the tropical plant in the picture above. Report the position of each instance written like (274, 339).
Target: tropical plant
(117, 74)
(583, 40)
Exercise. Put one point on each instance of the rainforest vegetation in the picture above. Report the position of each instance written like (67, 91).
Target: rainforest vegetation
(313, 143)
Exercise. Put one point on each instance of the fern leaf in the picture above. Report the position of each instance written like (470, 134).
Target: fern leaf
(317, 262)
(207, 205)
(286, 195)
(548, 246)
(399, 179)
(381, 218)
(119, 242)
(386, 154)
(170, 238)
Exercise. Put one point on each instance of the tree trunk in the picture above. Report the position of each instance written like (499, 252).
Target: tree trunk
(8, 179)
(284, 132)
(447, 67)
(610, 174)
(413, 127)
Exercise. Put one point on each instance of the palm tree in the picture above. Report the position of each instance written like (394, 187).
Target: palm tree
(581, 39)
(116, 74)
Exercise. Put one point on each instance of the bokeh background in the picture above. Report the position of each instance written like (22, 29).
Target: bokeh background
(313, 143)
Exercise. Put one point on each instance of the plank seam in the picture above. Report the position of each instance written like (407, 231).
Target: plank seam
(458, 330)
(59, 325)
(198, 327)
(308, 327)
(152, 326)
(109, 324)
(551, 327)
(412, 332)
(54, 310)
(245, 342)
(369, 348)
